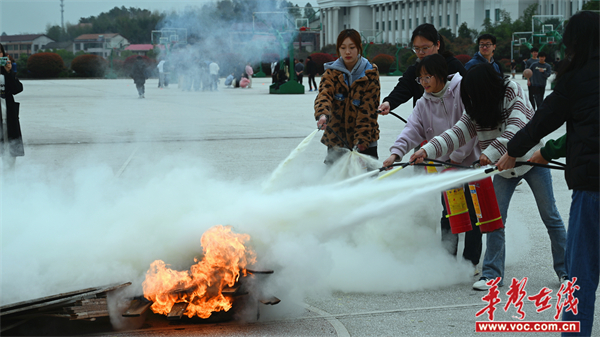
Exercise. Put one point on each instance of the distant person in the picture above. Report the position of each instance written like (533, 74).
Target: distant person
(249, 72)
(11, 139)
(513, 68)
(541, 71)
(311, 71)
(533, 59)
(348, 108)
(161, 73)
(139, 75)
(229, 80)
(214, 75)
(575, 100)
(487, 46)
(299, 69)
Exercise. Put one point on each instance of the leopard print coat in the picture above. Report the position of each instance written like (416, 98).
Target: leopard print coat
(351, 112)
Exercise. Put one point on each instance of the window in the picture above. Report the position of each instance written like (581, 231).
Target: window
(376, 9)
(396, 7)
(440, 21)
(9, 47)
(403, 24)
(448, 20)
(396, 25)
(344, 11)
(432, 20)
(383, 26)
(409, 23)
(497, 14)
(383, 9)
(456, 18)
(344, 26)
(390, 7)
(551, 9)
(416, 21)
(402, 6)
(376, 25)
(390, 25)
(487, 13)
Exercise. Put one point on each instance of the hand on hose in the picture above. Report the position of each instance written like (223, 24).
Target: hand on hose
(361, 147)
(390, 161)
(484, 160)
(322, 122)
(506, 162)
(418, 156)
(538, 158)
(384, 108)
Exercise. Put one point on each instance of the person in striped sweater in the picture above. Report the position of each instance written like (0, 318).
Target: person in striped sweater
(496, 109)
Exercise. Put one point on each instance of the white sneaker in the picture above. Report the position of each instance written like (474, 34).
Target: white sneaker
(481, 284)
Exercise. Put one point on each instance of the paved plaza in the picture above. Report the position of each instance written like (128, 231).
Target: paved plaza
(110, 182)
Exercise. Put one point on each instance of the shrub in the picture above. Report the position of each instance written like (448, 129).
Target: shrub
(89, 65)
(44, 65)
(409, 61)
(22, 71)
(320, 59)
(463, 58)
(384, 62)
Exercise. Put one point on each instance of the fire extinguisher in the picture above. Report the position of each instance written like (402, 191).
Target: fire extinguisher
(456, 207)
(486, 205)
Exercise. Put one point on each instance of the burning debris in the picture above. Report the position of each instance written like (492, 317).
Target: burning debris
(211, 284)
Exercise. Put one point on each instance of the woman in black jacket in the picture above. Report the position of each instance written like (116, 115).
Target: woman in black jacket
(426, 41)
(575, 100)
(10, 129)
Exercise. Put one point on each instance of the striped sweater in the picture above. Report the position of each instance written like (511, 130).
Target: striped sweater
(492, 141)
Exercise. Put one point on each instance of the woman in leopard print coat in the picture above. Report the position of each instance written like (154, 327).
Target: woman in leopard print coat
(346, 106)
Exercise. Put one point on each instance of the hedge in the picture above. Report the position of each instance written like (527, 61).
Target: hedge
(384, 62)
(463, 58)
(44, 65)
(89, 65)
(320, 59)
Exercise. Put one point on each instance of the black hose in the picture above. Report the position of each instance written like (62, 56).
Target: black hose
(393, 114)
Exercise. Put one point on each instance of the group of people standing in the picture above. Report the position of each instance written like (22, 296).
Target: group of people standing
(464, 114)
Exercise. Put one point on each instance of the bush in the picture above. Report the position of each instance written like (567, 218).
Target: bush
(320, 59)
(384, 62)
(463, 58)
(89, 65)
(409, 61)
(44, 65)
(22, 71)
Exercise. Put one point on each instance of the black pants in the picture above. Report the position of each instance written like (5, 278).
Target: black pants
(300, 78)
(472, 250)
(538, 96)
(310, 84)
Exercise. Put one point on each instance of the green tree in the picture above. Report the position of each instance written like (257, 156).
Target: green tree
(310, 13)
(593, 5)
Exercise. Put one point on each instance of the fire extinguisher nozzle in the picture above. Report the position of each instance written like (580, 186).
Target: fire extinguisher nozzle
(490, 170)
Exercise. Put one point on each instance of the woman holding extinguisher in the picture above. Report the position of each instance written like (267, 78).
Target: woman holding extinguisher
(496, 109)
(435, 112)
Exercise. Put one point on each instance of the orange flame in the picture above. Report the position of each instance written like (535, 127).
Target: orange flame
(225, 258)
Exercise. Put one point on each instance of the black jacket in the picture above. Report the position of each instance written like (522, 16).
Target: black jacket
(575, 100)
(13, 128)
(407, 87)
(311, 68)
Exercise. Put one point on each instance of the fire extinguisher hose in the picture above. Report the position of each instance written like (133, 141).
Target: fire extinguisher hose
(486, 222)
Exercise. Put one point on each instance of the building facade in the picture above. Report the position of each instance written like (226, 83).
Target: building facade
(393, 21)
(99, 44)
(16, 45)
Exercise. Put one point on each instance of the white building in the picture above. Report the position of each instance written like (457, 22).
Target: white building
(99, 44)
(393, 21)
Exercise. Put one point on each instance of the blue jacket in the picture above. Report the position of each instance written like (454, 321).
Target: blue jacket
(478, 59)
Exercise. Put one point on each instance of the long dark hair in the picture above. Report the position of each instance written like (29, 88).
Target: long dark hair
(435, 65)
(428, 31)
(482, 92)
(581, 41)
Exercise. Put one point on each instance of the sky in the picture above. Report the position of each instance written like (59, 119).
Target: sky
(32, 16)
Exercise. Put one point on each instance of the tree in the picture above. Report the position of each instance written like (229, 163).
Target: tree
(447, 33)
(466, 33)
(310, 13)
(56, 33)
(591, 6)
